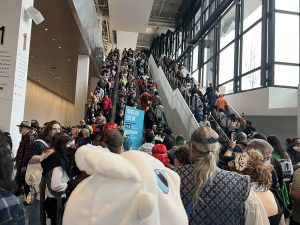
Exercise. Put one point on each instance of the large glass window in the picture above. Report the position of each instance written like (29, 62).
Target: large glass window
(207, 73)
(179, 51)
(179, 38)
(251, 57)
(252, 12)
(197, 21)
(287, 5)
(208, 46)
(205, 4)
(226, 88)
(286, 38)
(226, 64)
(195, 58)
(251, 81)
(205, 16)
(195, 75)
(227, 32)
(286, 75)
(212, 7)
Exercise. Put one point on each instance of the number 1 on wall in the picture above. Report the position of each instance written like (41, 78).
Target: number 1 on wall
(2, 29)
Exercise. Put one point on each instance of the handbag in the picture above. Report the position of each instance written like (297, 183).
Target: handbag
(34, 172)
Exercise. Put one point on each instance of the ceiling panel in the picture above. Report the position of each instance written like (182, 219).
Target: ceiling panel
(129, 15)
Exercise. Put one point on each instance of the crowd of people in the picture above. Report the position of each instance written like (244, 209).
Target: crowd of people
(238, 176)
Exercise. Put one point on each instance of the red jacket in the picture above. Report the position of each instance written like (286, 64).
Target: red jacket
(107, 104)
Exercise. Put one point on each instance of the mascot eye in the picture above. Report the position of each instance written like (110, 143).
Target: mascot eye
(162, 181)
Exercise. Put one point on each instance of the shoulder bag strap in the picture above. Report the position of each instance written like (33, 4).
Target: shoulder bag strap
(42, 141)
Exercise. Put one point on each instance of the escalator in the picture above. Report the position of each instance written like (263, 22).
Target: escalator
(191, 101)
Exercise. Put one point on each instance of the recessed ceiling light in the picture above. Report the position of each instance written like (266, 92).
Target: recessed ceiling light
(59, 46)
(46, 29)
(68, 60)
(53, 39)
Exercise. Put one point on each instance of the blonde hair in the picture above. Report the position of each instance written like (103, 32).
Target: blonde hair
(204, 142)
(256, 168)
(86, 130)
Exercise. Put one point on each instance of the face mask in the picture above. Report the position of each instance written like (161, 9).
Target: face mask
(296, 148)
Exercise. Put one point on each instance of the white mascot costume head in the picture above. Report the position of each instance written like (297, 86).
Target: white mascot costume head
(129, 189)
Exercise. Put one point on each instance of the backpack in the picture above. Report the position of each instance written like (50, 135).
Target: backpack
(60, 205)
(34, 171)
(287, 169)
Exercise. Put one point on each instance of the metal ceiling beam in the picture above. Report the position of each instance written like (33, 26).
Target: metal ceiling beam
(161, 7)
(143, 44)
(156, 21)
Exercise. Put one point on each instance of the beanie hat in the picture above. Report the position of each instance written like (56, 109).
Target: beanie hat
(129, 189)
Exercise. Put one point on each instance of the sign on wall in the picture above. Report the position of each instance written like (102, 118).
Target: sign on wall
(133, 125)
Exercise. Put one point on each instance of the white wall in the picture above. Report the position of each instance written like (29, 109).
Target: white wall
(283, 97)
(44, 106)
(271, 101)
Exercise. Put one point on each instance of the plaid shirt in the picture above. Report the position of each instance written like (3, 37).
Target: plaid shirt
(11, 211)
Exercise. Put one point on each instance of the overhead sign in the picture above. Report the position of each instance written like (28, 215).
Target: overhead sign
(133, 126)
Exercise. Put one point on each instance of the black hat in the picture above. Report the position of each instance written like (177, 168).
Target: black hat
(24, 124)
(35, 124)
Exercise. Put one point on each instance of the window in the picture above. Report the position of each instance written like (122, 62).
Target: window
(195, 58)
(227, 32)
(287, 5)
(212, 7)
(286, 75)
(205, 16)
(179, 38)
(186, 62)
(195, 75)
(205, 4)
(251, 81)
(197, 21)
(286, 38)
(207, 73)
(226, 88)
(208, 46)
(251, 57)
(197, 27)
(252, 12)
(179, 51)
(226, 64)
(197, 15)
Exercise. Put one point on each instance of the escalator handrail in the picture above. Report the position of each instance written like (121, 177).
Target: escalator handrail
(224, 133)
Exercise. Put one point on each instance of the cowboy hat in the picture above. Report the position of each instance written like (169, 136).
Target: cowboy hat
(24, 124)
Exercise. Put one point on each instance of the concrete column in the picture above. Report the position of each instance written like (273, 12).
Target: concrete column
(15, 34)
(82, 82)
(298, 112)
